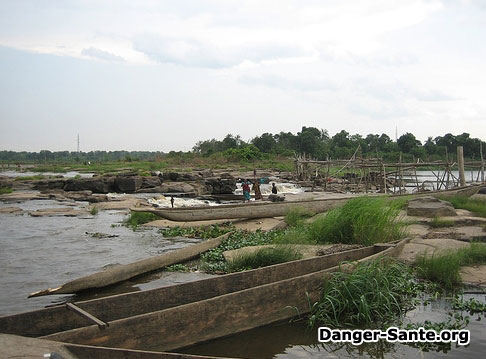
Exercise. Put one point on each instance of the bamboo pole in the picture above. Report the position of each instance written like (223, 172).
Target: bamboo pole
(460, 165)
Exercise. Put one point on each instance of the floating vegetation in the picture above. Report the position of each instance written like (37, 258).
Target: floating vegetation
(264, 257)
(94, 210)
(205, 232)
(213, 260)
(177, 268)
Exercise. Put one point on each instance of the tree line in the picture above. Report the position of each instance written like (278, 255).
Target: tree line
(315, 143)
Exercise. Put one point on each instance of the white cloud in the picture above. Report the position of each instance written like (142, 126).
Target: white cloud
(100, 54)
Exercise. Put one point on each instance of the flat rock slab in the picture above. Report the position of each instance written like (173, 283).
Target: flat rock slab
(53, 212)
(479, 196)
(430, 207)
(474, 275)
(11, 210)
(464, 233)
(418, 230)
(23, 196)
(420, 246)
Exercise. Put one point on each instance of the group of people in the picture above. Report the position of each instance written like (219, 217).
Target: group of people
(245, 185)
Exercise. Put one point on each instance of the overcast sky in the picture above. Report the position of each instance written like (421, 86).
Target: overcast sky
(161, 75)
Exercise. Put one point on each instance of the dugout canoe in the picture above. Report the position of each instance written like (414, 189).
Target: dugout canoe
(177, 316)
(267, 209)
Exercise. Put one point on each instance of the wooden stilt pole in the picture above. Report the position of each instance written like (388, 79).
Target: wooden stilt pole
(460, 165)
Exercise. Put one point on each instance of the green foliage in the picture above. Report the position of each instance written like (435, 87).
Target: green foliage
(376, 293)
(438, 222)
(444, 267)
(246, 153)
(179, 267)
(264, 257)
(477, 206)
(213, 260)
(137, 218)
(295, 216)
(30, 178)
(362, 220)
(206, 232)
(5, 190)
(94, 210)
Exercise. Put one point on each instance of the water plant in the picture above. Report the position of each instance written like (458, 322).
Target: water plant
(206, 232)
(263, 257)
(179, 267)
(137, 218)
(374, 294)
(94, 210)
(213, 261)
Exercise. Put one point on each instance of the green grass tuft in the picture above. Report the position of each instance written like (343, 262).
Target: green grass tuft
(94, 210)
(295, 216)
(264, 257)
(363, 220)
(137, 218)
(5, 190)
(376, 293)
(476, 206)
(438, 222)
(206, 232)
(444, 267)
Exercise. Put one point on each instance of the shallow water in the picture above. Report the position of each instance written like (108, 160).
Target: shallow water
(44, 252)
(295, 340)
(70, 174)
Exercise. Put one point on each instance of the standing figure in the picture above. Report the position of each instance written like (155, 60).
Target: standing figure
(172, 201)
(258, 192)
(246, 191)
(274, 188)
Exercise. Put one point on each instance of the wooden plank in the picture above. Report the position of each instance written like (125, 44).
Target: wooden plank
(101, 324)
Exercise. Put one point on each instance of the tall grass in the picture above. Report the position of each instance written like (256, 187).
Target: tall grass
(444, 267)
(137, 218)
(362, 220)
(477, 206)
(295, 216)
(263, 257)
(375, 293)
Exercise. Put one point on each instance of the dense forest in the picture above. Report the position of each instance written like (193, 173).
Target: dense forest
(311, 141)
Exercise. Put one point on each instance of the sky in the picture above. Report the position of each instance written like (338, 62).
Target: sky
(162, 75)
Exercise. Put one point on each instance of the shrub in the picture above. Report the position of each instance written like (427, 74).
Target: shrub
(137, 218)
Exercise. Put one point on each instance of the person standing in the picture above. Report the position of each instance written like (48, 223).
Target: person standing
(172, 201)
(246, 191)
(274, 188)
(258, 192)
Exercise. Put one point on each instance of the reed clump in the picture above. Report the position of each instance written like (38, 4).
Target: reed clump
(264, 257)
(362, 220)
(5, 190)
(374, 294)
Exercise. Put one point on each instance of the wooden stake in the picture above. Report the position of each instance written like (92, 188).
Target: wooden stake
(460, 164)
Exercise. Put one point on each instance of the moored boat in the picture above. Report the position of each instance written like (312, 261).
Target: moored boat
(176, 316)
(267, 209)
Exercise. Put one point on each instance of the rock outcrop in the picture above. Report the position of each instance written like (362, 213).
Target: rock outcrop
(430, 207)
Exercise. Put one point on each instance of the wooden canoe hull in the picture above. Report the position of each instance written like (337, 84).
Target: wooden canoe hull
(174, 317)
(275, 209)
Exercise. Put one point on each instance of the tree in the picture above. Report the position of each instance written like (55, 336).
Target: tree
(408, 142)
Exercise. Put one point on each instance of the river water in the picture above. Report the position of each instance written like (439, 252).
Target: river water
(296, 340)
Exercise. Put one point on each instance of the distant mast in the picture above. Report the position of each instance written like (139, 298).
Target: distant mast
(78, 143)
